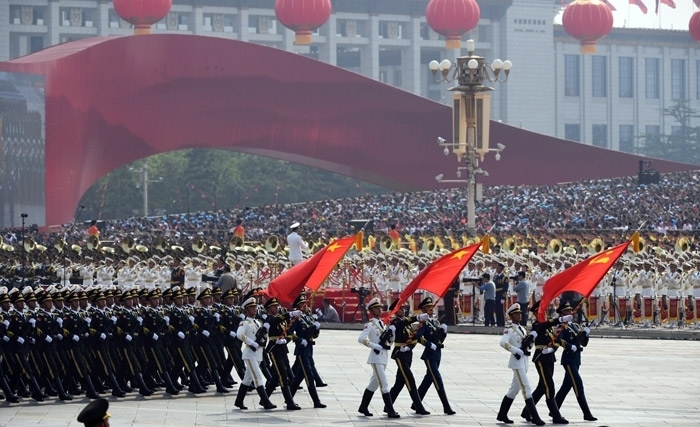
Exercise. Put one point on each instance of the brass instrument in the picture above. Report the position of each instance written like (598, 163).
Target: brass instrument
(60, 244)
(428, 245)
(141, 248)
(40, 248)
(272, 243)
(161, 244)
(555, 247)
(509, 245)
(386, 244)
(198, 244)
(642, 244)
(8, 248)
(107, 249)
(93, 242)
(682, 245)
(177, 248)
(596, 245)
(213, 248)
(128, 244)
(235, 243)
(76, 248)
(29, 244)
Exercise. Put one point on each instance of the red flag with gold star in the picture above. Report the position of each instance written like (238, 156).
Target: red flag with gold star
(334, 252)
(582, 277)
(439, 275)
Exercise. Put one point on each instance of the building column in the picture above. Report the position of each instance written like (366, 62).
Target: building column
(328, 52)
(53, 23)
(369, 63)
(411, 56)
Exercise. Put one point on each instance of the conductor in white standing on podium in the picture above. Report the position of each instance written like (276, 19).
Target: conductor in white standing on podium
(297, 245)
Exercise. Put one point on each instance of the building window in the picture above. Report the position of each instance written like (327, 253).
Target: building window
(571, 75)
(600, 136)
(627, 138)
(651, 66)
(626, 77)
(677, 79)
(572, 132)
(600, 76)
(652, 130)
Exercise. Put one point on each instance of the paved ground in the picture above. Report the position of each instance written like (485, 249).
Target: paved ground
(628, 383)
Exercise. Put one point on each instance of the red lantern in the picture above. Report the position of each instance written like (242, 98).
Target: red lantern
(694, 26)
(303, 16)
(588, 21)
(452, 19)
(142, 13)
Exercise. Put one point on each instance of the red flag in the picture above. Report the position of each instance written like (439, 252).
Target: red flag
(669, 3)
(582, 277)
(641, 5)
(612, 8)
(439, 275)
(334, 252)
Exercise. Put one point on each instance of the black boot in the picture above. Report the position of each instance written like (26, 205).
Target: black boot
(116, 389)
(73, 387)
(366, 398)
(90, 388)
(503, 411)
(417, 404)
(241, 395)
(195, 384)
(143, 388)
(169, 386)
(314, 396)
(584, 407)
(49, 389)
(533, 412)
(289, 400)
(554, 412)
(36, 390)
(217, 380)
(390, 406)
(62, 395)
(445, 403)
(264, 400)
(9, 395)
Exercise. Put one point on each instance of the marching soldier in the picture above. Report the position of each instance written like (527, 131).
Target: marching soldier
(101, 328)
(180, 330)
(378, 337)
(431, 335)
(155, 327)
(228, 324)
(74, 329)
(277, 352)
(204, 323)
(129, 333)
(306, 330)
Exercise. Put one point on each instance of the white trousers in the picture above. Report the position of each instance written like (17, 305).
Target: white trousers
(520, 383)
(253, 374)
(378, 378)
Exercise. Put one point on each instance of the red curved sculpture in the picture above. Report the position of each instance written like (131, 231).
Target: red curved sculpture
(110, 101)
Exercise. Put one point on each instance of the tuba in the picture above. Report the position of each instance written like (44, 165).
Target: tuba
(596, 245)
(428, 245)
(60, 244)
(93, 242)
(386, 244)
(29, 244)
(77, 249)
(198, 244)
(6, 247)
(235, 243)
(555, 247)
(682, 245)
(128, 244)
(272, 244)
(509, 245)
(161, 244)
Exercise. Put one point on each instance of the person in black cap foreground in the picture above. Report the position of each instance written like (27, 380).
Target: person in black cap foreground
(515, 340)
(432, 335)
(404, 342)
(573, 338)
(544, 359)
(378, 337)
(95, 414)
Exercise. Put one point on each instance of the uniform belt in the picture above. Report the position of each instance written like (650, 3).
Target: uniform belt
(276, 337)
(540, 347)
(401, 344)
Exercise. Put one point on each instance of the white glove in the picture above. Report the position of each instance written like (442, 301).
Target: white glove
(433, 347)
(32, 341)
(48, 339)
(128, 337)
(254, 345)
(32, 321)
(317, 325)
(392, 328)
(587, 330)
(217, 316)
(375, 346)
(242, 316)
(264, 316)
(6, 338)
(534, 334)
(6, 323)
(86, 335)
(113, 319)
(304, 343)
(140, 320)
(60, 337)
(59, 320)
(404, 348)
(566, 319)
(573, 348)
(191, 319)
(281, 341)
(548, 350)
(444, 327)
(518, 352)
(155, 337)
(20, 340)
(266, 326)
(295, 313)
(205, 333)
(75, 338)
(314, 316)
(88, 320)
(232, 334)
(423, 317)
(167, 320)
(103, 336)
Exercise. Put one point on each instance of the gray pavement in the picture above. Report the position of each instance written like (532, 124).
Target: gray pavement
(629, 382)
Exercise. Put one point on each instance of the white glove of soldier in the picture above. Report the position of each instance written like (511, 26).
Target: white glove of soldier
(254, 345)
(181, 335)
(573, 348)
(48, 339)
(60, 337)
(517, 351)
(140, 320)
(128, 337)
(20, 340)
(217, 316)
(404, 348)
(587, 330)
(103, 336)
(423, 317)
(205, 333)
(155, 337)
(375, 346)
(6, 323)
(314, 316)
(304, 343)
(534, 334)
(232, 334)
(433, 347)
(264, 316)
(548, 350)
(444, 327)
(295, 313)
(32, 341)
(566, 319)
(266, 326)
(59, 320)
(6, 338)
(88, 320)
(113, 319)
(392, 328)
(191, 319)
(281, 341)
(317, 325)
(167, 320)
(75, 338)
(32, 321)
(242, 316)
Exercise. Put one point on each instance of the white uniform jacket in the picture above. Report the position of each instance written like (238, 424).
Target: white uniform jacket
(370, 334)
(511, 340)
(246, 333)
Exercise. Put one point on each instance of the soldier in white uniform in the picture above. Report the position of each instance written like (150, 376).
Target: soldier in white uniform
(378, 337)
(297, 245)
(254, 345)
(512, 341)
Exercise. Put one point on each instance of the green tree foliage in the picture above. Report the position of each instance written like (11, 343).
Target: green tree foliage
(682, 145)
(206, 180)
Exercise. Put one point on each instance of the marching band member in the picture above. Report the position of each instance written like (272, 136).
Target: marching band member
(297, 245)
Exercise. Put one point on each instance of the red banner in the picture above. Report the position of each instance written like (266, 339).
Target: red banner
(648, 308)
(592, 312)
(467, 305)
(673, 308)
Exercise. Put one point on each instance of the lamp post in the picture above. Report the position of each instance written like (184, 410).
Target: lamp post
(471, 115)
(144, 182)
